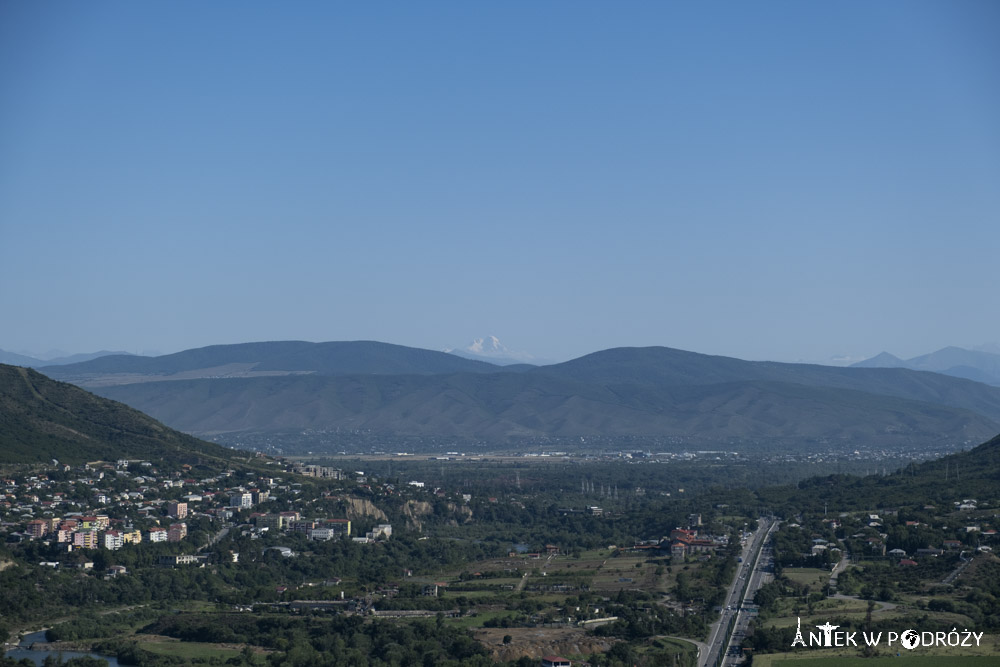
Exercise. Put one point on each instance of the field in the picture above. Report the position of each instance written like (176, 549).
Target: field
(187, 650)
(814, 578)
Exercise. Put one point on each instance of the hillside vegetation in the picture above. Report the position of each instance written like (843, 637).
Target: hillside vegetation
(41, 419)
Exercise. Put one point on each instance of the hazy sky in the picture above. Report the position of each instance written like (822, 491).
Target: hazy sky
(766, 180)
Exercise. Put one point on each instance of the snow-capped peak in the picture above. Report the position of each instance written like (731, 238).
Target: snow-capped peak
(491, 349)
(488, 345)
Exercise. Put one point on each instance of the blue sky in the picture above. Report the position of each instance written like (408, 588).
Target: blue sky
(775, 180)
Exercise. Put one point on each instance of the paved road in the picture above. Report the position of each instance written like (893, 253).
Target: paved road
(752, 566)
(837, 569)
(958, 570)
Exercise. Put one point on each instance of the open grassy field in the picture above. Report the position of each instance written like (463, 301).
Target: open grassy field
(189, 650)
(479, 619)
(814, 578)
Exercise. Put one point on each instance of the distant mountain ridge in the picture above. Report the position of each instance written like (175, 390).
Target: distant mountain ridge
(976, 365)
(269, 358)
(41, 419)
(15, 359)
(657, 391)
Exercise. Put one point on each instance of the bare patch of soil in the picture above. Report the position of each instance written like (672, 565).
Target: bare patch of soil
(538, 642)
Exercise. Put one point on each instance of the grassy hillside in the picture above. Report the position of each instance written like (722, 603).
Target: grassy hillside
(41, 419)
(971, 474)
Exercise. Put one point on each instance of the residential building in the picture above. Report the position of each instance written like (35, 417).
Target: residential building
(38, 528)
(177, 509)
(113, 540)
(339, 526)
(177, 532)
(85, 539)
(241, 500)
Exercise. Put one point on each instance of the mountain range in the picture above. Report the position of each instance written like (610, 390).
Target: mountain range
(16, 359)
(978, 365)
(658, 392)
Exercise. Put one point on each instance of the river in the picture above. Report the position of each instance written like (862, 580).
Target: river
(24, 650)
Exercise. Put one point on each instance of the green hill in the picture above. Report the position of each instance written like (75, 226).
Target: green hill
(41, 419)
(970, 474)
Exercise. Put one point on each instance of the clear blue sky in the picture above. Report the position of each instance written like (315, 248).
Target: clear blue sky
(767, 180)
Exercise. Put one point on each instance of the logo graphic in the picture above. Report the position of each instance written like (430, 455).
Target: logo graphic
(908, 639)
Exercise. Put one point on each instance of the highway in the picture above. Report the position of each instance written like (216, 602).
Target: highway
(755, 567)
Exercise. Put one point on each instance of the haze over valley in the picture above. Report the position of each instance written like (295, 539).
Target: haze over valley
(499, 334)
(666, 398)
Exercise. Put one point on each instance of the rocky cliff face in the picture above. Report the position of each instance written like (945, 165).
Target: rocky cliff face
(362, 507)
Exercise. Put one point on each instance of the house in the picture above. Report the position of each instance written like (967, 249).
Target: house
(906, 562)
(555, 661)
(172, 561)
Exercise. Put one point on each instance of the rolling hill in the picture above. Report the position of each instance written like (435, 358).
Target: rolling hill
(969, 474)
(41, 419)
(268, 359)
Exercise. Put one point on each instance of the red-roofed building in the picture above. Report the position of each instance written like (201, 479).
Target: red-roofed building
(556, 661)
(683, 534)
(38, 527)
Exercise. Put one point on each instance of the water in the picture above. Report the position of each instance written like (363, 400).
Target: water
(24, 650)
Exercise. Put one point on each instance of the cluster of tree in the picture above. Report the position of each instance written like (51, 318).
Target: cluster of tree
(792, 548)
(885, 580)
(97, 626)
(337, 640)
(940, 482)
